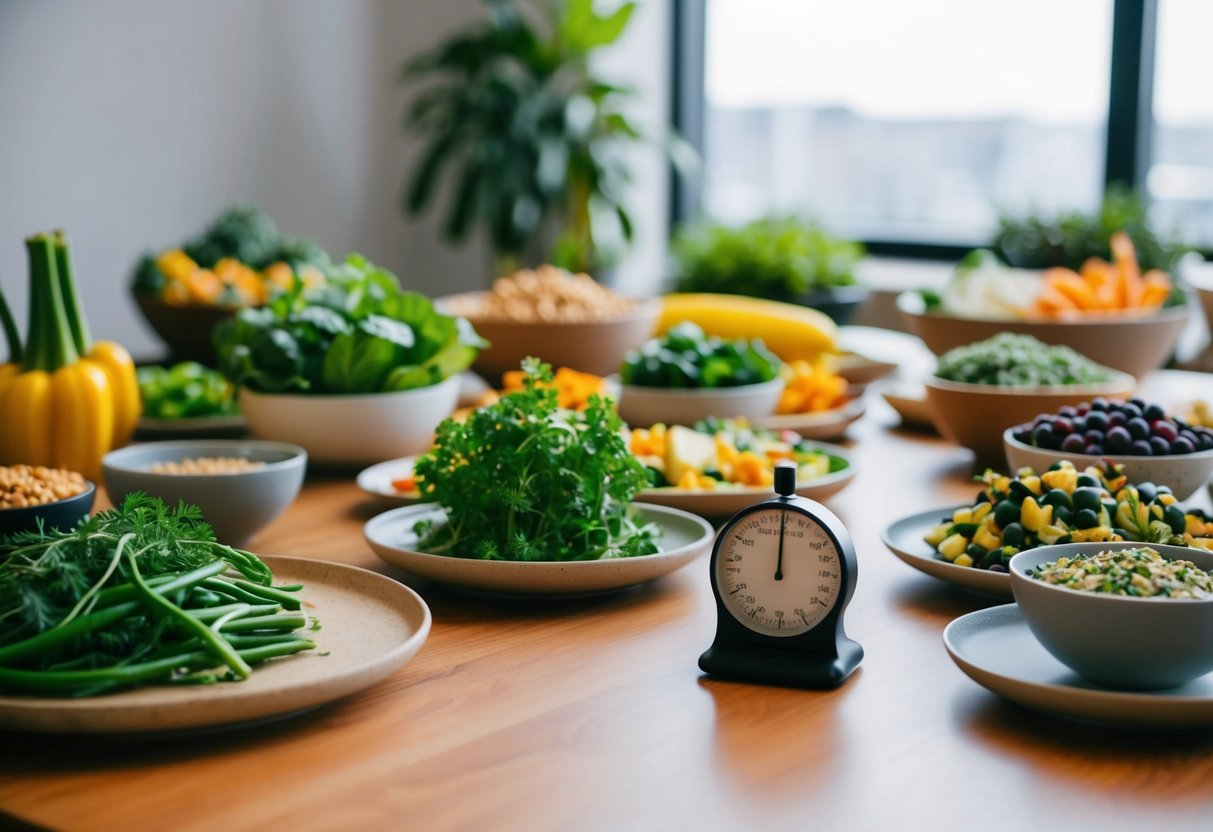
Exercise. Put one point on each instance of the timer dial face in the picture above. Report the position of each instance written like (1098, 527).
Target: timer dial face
(778, 572)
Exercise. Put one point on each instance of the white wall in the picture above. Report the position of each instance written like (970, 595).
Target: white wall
(132, 123)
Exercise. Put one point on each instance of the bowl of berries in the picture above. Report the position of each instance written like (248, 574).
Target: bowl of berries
(1152, 445)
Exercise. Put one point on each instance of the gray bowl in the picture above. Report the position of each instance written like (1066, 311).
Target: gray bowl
(1112, 640)
(236, 505)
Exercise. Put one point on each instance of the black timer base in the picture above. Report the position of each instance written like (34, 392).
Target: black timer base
(764, 666)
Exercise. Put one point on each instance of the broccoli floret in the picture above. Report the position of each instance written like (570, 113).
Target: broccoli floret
(244, 232)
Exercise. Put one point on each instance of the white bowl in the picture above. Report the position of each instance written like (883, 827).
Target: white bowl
(1116, 640)
(355, 429)
(1184, 474)
(644, 406)
(236, 505)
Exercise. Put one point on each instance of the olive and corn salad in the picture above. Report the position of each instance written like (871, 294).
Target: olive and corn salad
(1063, 505)
(24, 486)
(1137, 572)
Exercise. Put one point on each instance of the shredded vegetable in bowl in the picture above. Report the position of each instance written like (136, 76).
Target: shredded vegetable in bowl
(1139, 572)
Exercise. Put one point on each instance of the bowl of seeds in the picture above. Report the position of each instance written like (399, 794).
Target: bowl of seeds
(241, 485)
(34, 495)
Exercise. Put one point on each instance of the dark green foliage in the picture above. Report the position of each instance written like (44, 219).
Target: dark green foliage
(687, 358)
(780, 258)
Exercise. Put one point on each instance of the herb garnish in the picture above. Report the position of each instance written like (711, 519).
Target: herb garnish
(522, 479)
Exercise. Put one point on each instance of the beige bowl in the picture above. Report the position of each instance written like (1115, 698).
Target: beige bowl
(1134, 345)
(975, 416)
(594, 347)
(644, 406)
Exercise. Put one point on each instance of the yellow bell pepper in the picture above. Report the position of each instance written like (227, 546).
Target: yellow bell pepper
(111, 357)
(58, 410)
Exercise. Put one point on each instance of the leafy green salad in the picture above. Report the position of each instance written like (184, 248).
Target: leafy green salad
(522, 479)
(359, 332)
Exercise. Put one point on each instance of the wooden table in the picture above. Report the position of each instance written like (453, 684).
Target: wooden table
(593, 714)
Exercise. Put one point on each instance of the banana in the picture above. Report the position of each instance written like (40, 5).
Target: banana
(790, 331)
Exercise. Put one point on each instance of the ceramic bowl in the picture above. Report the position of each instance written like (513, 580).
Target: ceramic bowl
(61, 514)
(354, 429)
(236, 505)
(975, 416)
(185, 329)
(1113, 640)
(596, 347)
(1134, 345)
(1184, 474)
(680, 406)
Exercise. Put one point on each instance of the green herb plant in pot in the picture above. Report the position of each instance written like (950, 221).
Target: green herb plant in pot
(779, 258)
(355, 370)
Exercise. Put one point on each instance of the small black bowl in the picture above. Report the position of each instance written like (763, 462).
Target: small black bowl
(61, 514)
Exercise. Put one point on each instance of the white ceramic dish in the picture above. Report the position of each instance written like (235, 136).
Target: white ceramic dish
(370, 627)
(904, 539)
(1184, 474)
(827, 424)
(675, 406)
(348, 430)
(377, 482)
(684, 538)
(995, 649)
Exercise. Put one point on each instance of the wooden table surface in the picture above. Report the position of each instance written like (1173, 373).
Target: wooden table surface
(592, 714)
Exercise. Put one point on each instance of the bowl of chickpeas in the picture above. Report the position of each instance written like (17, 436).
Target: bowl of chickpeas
(241, 485)
(33, 495)
(568, 320)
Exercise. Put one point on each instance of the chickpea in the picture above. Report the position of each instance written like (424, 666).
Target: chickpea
(207, 465)
(24, 486)
(548, 294)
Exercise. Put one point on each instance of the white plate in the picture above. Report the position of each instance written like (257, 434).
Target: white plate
(904, 538)
(909, 399)
(370, 626)
(860, 370)
(377, 481)
(826, 424)
(684, 538)
(193, 426)
(995, 648)
(725, 501)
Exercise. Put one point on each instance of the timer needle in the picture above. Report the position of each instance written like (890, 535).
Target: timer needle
(783, 516)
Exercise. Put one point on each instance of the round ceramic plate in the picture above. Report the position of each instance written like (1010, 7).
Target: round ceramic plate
(725, 501)
(827, 424)
(909, 399)
(684, 537)
(995, 648)
(904, 538)
(377, 481)
(370, 626)
(197, 426)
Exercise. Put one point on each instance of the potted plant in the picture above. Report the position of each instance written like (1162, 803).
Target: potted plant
(512, 114)
(779, 258)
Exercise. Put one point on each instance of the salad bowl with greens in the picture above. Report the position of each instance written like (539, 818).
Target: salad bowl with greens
(354, 370)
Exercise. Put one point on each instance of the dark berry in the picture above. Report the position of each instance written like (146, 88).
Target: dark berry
(1138, 428)
(1067, 411)
(1093, 437)
(1118, 418)
(1161, 447)
(1073, 444)
(1181, 446)
(1044, 437)
(1153, 411)
(1164, 429)
(1062, 426)
(1097, 420)
(1140, 447)
(1131, 410)
(1094, 450)
(1117, 439)
(1099, 403)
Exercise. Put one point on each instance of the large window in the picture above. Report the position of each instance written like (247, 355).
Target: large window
(917, 124)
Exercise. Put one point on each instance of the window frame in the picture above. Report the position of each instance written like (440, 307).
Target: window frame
(1126, 139)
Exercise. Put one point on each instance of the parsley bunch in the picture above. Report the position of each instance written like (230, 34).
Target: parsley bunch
(524, 480)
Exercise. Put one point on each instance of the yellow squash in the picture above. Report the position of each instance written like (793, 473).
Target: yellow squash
(790, 331)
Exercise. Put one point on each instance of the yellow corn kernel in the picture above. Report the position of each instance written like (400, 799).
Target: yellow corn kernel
(936, 535)
(1032, 483)
(986, 538)
(981, 510)
(964, 560)
(1033, 516)
(962, 515)
(953, 546)
(1064, 478)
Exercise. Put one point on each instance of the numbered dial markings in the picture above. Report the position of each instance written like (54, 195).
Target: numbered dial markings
(778, 572)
